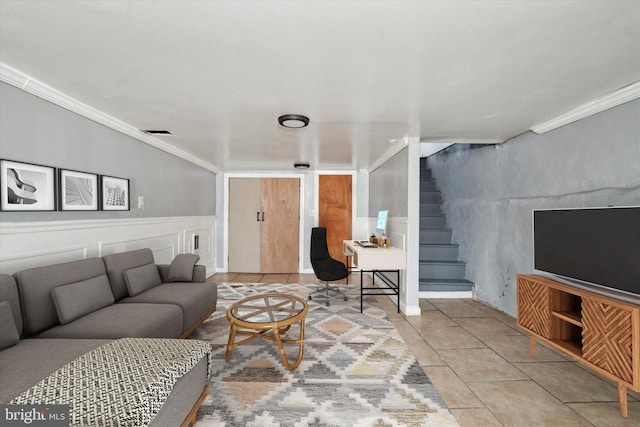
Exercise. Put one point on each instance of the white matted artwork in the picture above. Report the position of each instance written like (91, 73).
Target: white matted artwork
(115, 193)
(27, 187)
(78, 191)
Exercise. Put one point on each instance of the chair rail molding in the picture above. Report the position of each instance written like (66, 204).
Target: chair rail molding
(32, 244)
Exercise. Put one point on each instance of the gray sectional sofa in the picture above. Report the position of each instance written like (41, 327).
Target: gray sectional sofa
(53, 316)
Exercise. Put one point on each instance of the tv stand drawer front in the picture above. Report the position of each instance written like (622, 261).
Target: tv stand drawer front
(534, 306)
(607, 338)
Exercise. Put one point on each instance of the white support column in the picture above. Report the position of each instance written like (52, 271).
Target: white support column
(412, 304)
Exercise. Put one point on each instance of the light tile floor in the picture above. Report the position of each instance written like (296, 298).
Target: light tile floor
(479, 362)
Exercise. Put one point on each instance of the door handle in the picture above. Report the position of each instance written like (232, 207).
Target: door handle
(258, 216)
(262, 216)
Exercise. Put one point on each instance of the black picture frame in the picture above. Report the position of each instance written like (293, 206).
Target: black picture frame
(27, 187)
(78, 191)
(114, 193)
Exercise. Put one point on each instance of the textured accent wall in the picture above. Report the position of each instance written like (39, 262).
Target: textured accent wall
(489, 192)
(36, 131)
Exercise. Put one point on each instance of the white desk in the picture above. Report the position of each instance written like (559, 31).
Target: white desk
(377, 261)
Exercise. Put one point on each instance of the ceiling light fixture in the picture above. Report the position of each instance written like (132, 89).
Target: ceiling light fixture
(301, 165)
(293, 120)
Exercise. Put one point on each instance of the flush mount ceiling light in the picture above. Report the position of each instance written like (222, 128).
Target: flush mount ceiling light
(293, 120)
(301, 165)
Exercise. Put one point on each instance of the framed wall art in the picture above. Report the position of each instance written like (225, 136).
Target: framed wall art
(115, 193)
(27, 187)
(78, 191)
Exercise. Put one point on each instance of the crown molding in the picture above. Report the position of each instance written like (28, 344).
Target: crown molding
(395, 149)
(35, 87)
(625, 94)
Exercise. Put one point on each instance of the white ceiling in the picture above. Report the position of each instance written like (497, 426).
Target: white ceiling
(217, 74)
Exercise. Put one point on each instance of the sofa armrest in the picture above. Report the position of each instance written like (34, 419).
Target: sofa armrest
(199, 273)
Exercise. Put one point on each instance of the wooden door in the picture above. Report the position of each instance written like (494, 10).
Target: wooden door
(335, 201)
(279, 246)
(244, 225)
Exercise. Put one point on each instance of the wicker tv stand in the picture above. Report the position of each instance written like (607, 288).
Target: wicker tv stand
(599, 331)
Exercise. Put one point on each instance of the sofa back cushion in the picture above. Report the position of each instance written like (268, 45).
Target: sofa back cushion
(117, 264)
(9, 293)
(35, 286)
(77, 299)
(139, 279)
(8, 332)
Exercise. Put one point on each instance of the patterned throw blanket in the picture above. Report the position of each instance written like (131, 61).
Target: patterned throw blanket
(122, 383)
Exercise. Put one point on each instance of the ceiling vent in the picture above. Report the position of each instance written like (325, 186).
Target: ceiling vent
(156, 132)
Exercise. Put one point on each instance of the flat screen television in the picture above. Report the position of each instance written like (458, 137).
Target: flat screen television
(594, 246)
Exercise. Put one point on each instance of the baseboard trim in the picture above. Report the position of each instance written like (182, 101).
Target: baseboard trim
(449, 294)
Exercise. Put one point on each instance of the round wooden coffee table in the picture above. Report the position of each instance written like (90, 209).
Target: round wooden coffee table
(267, 316)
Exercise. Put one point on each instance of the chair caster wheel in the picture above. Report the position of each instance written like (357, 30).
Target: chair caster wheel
(309, 298)
(346, 299)
(327, 303)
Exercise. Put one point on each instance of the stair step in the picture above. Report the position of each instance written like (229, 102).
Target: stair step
(439, 267)
(442, 269)
(432, 196)
(438, 252)
(439, 285)
(428, 185)
(435, 235)
(433, 221)
(429, 209)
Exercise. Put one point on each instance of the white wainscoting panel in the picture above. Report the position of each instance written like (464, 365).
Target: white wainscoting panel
(33, 244)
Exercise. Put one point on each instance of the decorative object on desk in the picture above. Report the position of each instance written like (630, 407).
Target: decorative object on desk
(115, 193)
(78, 191)
(384, 242)
(27, 187)
(356, 370)
(373, 238)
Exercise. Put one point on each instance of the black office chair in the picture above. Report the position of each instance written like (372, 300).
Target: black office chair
(326, 268)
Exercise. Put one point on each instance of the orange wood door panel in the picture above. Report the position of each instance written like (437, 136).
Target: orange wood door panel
(280, 199)
(335, 201)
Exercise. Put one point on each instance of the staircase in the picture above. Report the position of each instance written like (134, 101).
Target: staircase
(440, 268)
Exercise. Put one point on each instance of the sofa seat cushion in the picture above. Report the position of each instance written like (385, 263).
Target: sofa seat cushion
(9, 335)
(195, 299)
(77, 299)
(140, 279)
(31, 360)
(123, 320)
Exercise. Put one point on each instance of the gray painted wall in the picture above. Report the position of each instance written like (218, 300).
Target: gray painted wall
(36, 131)
(388, 186)
(489, 192)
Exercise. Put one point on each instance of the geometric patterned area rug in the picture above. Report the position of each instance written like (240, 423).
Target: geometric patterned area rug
(356, 371)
